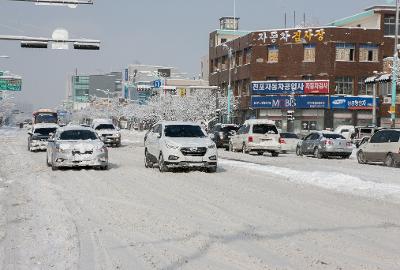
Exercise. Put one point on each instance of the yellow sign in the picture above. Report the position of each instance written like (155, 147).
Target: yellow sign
(182, 92)
(392, 109)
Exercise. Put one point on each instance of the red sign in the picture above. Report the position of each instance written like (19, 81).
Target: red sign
(316, 87)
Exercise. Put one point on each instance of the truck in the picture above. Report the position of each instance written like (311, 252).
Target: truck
(45, 116)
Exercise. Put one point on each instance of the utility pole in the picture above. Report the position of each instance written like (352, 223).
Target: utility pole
(395, 68)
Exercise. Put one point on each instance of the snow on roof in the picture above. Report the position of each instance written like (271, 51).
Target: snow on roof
(260, 121)
(74, 127)
(178, 123)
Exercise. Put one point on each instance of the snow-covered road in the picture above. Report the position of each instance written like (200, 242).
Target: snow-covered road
(255, 213)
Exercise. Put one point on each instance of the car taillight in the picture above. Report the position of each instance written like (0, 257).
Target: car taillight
(328, 142)
(250, 139)
(282, 141)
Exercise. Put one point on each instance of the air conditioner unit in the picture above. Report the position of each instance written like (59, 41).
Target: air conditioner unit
(387, 100)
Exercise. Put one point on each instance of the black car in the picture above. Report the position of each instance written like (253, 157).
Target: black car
(221, 134)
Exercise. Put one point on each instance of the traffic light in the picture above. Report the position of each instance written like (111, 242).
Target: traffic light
(86, 46)
(290, 116)
(34, 44)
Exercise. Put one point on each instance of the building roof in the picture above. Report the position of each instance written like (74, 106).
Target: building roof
(233, 32)
(353, 18)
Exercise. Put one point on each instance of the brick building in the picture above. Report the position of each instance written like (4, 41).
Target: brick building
(271, 68)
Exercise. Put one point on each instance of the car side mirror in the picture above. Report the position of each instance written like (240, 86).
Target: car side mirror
(30, 133)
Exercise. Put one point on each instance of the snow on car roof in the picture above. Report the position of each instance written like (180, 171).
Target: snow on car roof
(260, 121)
(74, 127)
(45, 125)
(178, 123)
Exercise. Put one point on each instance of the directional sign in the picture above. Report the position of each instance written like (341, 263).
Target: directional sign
(10, 84)
(157, 84)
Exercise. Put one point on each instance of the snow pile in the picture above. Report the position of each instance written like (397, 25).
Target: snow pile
(327, 180)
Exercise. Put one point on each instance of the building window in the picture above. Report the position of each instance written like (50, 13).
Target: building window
(344, 85)
(369, 53)
(239, 58)
(246, 87)
(308, 78)
(273, 54)
(309, 53)
(224, 60)
(364, 88)
(247, 56)
(345, 52)
(389, 24)
(223, 40)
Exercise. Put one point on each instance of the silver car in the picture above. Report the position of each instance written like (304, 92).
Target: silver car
(76, 146)
(322, 144)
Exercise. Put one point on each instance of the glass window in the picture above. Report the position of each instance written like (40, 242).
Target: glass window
(273, 54)
(247, 56)
(265, 129)
(45, 131)
(363, 88)
(345, 52)
(369, 53)
(389, 24)
(105, 126)
(183, 131)
(309, 53)
(393, 136)
(76, 135)
(379, 137)
(333, 136)
(289, 136)
(344, 85)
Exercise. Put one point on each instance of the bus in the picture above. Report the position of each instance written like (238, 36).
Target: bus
(45, 116)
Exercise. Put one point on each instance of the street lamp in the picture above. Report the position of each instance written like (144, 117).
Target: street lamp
(395, 68)
(230, 54)
(4, 56)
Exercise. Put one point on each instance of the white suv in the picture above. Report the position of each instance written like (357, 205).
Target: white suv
(107, 131)
(180, 145)
(258, 136)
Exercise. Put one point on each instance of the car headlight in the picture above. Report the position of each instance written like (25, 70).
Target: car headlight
(212, 146)
(171, 146)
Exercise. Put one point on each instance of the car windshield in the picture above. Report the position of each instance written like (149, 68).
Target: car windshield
(289, 136)
(265, 129)
(229, 128)
(45, 131)
(333, 136)
(182, 131)
(105, 126)
(77, 135)
(46, 118)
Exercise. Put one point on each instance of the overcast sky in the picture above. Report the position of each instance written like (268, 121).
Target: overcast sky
(165, 32)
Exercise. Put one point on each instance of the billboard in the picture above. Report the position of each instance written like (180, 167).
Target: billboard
(284, 102)
(290, 87)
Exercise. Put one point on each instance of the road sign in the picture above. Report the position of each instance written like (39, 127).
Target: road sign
(157, 84)
(392, 109)
(10, 84)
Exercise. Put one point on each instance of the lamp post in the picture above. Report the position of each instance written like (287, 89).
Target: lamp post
(230, 54)
(395, 68)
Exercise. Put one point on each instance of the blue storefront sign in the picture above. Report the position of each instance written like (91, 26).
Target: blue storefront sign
(283, 102)
(353, 102)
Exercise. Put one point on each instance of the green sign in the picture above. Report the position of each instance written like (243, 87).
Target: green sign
(10, 84)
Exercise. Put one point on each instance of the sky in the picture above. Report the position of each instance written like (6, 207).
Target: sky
(160, 32)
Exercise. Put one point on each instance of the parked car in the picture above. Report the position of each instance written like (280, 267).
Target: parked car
(107, 131)
(322, 144)
(38, 136)
(363, 133)
(383, 147)
(258, 136)
(288, 142)
(345, 130)
(180, 145)
(221, 134)
(76, 146)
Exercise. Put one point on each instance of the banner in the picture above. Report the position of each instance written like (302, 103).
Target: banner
(290, 87)
(353, 102)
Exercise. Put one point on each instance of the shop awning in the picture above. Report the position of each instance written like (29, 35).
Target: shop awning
(379, 78)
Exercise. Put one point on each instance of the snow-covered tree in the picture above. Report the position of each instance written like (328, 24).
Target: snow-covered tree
(6, 106)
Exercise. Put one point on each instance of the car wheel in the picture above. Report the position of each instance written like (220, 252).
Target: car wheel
(389, 161)
(298, 152)
(47, 161)
(260, 153)
(361, 157)
(275, 154)
(212, 169)
(317, 153)
(161, 164)
(346, 157)
(54, 167)
(147, 162)
(104, 168)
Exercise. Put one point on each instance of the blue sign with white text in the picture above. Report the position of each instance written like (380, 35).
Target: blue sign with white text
(353, 102)
(283, 102)
(157, 84)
